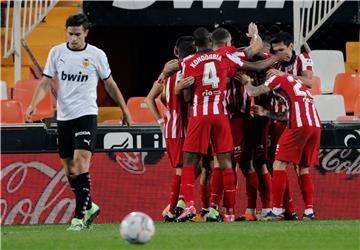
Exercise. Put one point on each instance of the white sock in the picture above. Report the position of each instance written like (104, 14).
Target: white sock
(265, 211)
(308, 211)
(277, 211)
(250, 211)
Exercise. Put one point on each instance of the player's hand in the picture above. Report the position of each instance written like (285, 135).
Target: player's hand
(243, 78)
(186, 82)
(126, 120)
(162, 127)
(183, 84)
(274, 72)
(29, 111)
(259, 110)
(282, 56)
(252, 30)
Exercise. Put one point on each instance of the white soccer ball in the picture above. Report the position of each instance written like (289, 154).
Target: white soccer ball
(137, 228)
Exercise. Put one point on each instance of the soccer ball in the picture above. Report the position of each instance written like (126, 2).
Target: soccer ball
(137, 228)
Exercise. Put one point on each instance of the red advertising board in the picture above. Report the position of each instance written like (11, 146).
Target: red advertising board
(34, 189)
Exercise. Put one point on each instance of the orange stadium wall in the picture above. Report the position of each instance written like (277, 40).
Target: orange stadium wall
(34, 189)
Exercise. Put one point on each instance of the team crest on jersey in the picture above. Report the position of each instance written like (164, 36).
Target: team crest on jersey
(85, 63)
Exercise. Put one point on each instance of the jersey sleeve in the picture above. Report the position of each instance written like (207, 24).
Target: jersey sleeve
(273, 82)
(242, 54)
(234, 61)
(306, 62)
(50, 67)
(102, 66)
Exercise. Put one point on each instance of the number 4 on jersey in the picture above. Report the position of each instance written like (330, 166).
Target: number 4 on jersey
(210, 77)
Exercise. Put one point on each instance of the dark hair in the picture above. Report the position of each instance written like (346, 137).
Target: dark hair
(283, 37)
(202, 37)
(266, 37)
(185, 46)
(220, 35)
(77, 20)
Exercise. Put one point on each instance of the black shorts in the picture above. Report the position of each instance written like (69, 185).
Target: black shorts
(79, 133)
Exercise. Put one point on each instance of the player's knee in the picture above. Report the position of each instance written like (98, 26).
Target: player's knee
(304, 170)
(280, 165)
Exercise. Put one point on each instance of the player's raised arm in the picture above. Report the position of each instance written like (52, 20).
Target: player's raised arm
(115, 93)
(256, 43)
(155, 91)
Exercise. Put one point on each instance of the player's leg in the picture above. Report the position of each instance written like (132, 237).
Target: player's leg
(85, 128)
(307, 191)
(66, 152)
(275, 131)
(289, 205)
(217, 190)
(251, 185)
(260, 161)
(228, 175)
(221, 138)
(279, 186)
(310, 157)
(243, 136)
(174, 150)
(191, 161)
(205, 190)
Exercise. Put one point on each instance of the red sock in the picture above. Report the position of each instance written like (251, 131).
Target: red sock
(289, 205)
(251, 189)
(175, 189)
(188, 180)
(265, 189)
(279, 185)
(307, 190)
(181, 193)
(216, 188)
(205, 195)
(229, 189)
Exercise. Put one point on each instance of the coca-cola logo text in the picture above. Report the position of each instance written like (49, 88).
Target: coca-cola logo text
(340, 160)
(47, 203)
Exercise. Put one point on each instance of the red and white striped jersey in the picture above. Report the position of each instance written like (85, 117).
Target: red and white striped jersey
(297, 64)
(295, 67)
(298, 100)
(211, 71)
(176, 114)
(238, 101)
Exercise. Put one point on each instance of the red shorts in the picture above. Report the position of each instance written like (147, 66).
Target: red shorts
(300, 146)
(174, 148)
(203, 128)
(241, 129)
(260, 138)
(275, 131)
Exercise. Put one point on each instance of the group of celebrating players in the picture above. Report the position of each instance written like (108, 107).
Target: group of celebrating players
(229, 107)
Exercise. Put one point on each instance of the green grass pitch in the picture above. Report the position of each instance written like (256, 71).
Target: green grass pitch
(320, 234)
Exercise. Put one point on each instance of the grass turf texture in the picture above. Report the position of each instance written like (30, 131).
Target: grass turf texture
(320, 234)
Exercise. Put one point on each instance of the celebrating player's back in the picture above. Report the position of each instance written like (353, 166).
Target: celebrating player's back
(210, 71)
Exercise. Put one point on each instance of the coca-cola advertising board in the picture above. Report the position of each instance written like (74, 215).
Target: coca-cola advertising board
(34, 189)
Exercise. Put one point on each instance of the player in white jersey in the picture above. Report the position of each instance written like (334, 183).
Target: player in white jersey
(78, 67)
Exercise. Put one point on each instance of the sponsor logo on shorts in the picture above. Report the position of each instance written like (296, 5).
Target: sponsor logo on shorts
(82, 133)
(87, 141)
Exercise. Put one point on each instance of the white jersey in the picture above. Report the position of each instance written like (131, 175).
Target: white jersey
(78, 72)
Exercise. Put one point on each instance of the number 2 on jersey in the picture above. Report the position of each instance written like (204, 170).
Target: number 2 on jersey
(297, 87)
(210, 77)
